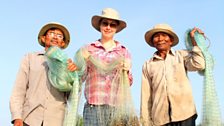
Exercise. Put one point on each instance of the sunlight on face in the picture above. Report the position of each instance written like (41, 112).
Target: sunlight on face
(162, 41)
(54, 37)
(108, 27)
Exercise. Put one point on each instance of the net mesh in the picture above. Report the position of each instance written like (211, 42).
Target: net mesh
(123, 111)
(211, 113)
(65, 81)
(120, 113)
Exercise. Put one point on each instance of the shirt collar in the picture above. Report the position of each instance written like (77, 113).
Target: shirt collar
(156, 57)
(99, 44)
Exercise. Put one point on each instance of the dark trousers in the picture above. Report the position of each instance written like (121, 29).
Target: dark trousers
(188, 122)
(24, 124)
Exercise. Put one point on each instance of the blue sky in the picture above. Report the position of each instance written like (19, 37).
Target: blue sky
(21, 21)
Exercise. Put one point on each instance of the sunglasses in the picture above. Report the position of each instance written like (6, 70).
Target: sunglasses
(112, 25)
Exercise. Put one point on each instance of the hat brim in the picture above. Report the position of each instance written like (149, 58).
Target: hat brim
(96, 19)
(54, 25)
(150, 33)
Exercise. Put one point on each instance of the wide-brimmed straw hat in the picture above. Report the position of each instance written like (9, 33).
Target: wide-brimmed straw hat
(108, 13)
(50, 25)
(161, 28)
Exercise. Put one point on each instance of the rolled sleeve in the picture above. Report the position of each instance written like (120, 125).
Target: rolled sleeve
(195, 60)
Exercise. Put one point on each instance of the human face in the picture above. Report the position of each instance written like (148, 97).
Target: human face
(162, 41)
(53, 37)
(108, 28)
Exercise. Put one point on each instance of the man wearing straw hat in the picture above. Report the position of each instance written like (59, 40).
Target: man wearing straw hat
(34, 101)
(100, 89)
(166, 94)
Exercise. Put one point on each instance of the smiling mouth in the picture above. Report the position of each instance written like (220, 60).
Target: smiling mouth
(161, 43)
(54, 42)
(107, 32)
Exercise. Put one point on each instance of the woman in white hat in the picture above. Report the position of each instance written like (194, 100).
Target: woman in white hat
(99, 85)
(166, 95)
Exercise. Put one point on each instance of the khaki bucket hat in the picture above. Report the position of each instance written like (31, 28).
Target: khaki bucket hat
(108, 13)
(161, 28)
(50, 25)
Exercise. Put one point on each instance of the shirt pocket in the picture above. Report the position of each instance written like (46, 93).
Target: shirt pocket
(178, 70)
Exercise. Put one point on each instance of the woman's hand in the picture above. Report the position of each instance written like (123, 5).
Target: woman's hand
(85, 53)
(126, 64)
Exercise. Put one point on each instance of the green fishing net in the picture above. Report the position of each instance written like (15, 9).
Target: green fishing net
(123, 113)
(211, 113)
(65, 81)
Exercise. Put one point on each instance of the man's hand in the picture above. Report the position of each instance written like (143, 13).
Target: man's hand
(196, 30)
(71, 66)
(18, 122)
(192, 35)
